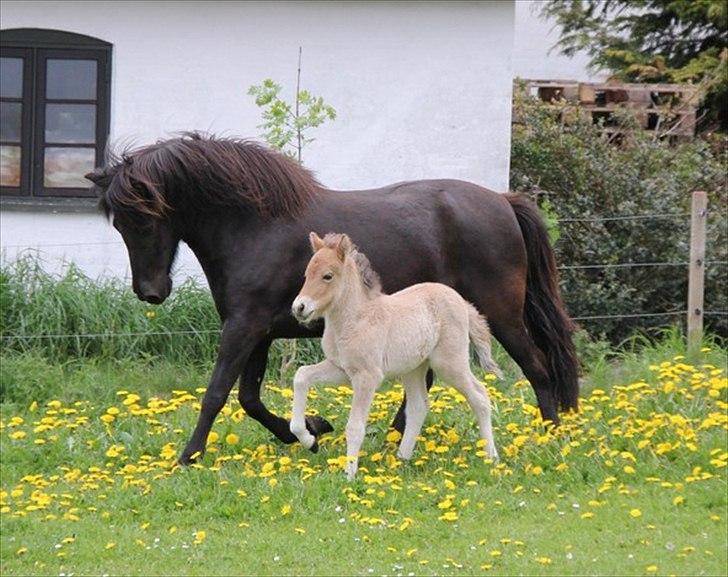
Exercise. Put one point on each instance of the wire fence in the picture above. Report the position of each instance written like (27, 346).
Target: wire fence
(595, 266)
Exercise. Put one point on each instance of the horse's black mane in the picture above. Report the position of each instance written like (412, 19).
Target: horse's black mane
(198, 171)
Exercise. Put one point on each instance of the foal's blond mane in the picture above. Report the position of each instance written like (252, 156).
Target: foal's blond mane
(369, 277)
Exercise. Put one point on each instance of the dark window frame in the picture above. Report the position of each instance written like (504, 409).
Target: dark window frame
(36, 46)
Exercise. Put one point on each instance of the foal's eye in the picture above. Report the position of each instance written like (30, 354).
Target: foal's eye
(328, 276)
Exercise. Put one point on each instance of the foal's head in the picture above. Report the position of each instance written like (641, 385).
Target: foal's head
(335, 264)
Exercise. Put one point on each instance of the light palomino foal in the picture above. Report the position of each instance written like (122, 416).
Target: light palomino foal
(370, 335)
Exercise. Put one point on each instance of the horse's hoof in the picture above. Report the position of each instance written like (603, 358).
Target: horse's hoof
(318, 426)
(315, 447)
(186, 458)
(186, 461)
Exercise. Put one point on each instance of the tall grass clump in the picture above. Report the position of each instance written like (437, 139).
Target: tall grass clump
(67, 316)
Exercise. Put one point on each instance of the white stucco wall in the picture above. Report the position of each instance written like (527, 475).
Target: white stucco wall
(533, 58)
(422, 90)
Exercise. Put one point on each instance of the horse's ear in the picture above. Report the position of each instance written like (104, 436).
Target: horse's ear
(343, 247)
(99, 177)
(316, 241)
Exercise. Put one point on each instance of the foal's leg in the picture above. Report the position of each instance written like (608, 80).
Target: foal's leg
(416, 410)
(323, 372)
(456, 372)
(364, 384)
(399, 420)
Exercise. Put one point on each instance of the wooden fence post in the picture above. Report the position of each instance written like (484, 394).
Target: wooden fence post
(698, 218)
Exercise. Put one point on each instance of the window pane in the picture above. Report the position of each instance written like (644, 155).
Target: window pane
(9, 166)
(70, 123)
(71, 79)
(65, 167)
(10, 121)
(11, 77)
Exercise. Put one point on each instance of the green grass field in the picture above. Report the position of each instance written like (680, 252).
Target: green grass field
(635, 484)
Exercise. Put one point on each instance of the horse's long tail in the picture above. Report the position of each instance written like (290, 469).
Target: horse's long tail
(545, 315)
(479, 333)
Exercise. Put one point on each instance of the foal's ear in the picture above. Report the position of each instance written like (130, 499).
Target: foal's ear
(343, 247)
(316, 241)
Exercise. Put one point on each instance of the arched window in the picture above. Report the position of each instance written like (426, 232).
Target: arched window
(54, 110)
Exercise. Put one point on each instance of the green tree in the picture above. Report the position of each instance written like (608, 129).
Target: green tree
(287, 128)
(287, 124)
(682, 41)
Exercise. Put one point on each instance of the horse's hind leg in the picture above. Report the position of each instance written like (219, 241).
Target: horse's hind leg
(520, 346)
(399, 421)
(416, 411)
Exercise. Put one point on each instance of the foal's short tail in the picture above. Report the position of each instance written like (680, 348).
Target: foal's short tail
(545, 315)
(480, 337)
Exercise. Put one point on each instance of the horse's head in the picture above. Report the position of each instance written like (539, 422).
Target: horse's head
(149, 235)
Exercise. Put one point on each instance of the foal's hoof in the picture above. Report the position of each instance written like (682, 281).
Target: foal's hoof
(315, 447)
(318, 426)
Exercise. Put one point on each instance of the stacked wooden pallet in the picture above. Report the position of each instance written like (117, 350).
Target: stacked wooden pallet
(667, 108)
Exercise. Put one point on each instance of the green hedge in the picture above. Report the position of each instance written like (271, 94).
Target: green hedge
(576, 172)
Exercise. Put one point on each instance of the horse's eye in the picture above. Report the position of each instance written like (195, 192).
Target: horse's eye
(328, 276)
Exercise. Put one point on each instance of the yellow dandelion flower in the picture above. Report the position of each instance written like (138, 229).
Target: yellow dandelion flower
(544, 560)
(299, 530)
(68, 540)
(22, 551)
(628, 469)
(286, 509)
(213, 437)
(110, 545)
(18, 435)
(635, 513)
(587, 515)
(232, 439)
(496, 553)
(199, 536)
(272, 482)
(678, 500)
(393, 436)
(651, 569)
(449, 516)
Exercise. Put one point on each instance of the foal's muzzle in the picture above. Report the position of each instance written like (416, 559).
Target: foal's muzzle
(302, 309)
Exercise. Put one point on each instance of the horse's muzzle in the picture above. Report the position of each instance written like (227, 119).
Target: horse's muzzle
(152, 294)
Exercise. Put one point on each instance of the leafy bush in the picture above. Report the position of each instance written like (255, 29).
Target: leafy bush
(582, 173)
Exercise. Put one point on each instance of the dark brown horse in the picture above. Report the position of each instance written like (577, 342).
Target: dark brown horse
(246, 213)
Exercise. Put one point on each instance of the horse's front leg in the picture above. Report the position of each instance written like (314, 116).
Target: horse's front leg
(322, 373)
(251, 380)
(239, 337)
(364, 385)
